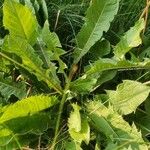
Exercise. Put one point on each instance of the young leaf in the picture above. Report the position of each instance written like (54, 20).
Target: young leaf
(79, 131)
(75, 117)
(20, 21)
(53, 44)
(86, 84)
(97, 20)
(27, 106)
(129, 40)
(117, 130)
(8, 88)
(128, 96)
(83, 85)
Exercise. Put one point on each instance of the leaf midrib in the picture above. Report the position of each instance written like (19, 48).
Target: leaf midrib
(19, 21)
(91, 34)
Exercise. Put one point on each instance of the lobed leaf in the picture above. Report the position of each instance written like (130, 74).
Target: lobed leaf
(27, 106)
(116, 129)
(30, 60)
(79, 131)
(54, 48)
(130, 40)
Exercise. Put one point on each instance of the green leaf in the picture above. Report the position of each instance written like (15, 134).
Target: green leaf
(3, 63)
(72, 145)
(113, 146)
(102, 71)
(30, 124)
(104, 77)
(75, 117)
(112, 64)
(147, 105)
(128, 96)
(23, 125)
(79, 129)
(28, 4)
(46, 53)
(83, 85)
(130, 40)
(27, 106)
(44, 10)
(20, 21)
(30, 60)
(115, 128)
(23, 117)
(54, 48)
(145, 53)
(22, 32)
(97, 20)
(144, 124)
(8, 88)
(100, 49)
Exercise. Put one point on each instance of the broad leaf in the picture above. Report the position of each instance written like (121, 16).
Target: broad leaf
(97, 20)
(23, 125)
(22, 33)
(30, 124)
(23, 117)
(20, 21)
(117, 130)
(8, 88)
(129, 40)
(30, 60)
(128, 96)
(28, 106)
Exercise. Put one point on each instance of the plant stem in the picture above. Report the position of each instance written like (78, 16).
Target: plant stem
(64, 97)
(59, 118)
